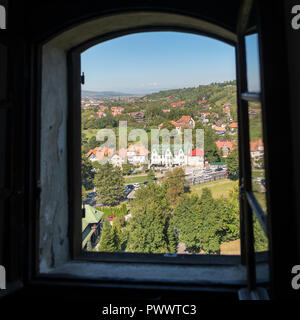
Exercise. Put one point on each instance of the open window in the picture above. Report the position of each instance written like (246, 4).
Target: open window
(63, 239)
(170, 148)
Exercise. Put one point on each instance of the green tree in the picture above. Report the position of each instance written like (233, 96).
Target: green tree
(229, 212)
(260, 239)
(107, 240)
(117, 236)
(148, 226)
(109, 182)
(212, 153)
(87, 173)
(175, 184)
(187, 220)
(93, 143)
(172, 237)
(199, 223)
(126, 169)
(232, 161)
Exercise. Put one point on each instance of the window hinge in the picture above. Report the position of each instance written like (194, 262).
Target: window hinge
(82, 78)
(6, 193)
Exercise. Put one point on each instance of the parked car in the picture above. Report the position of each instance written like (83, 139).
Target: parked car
(91, 194)
(111, 218)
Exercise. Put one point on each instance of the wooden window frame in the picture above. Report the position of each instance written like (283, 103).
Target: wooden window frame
(74, 122)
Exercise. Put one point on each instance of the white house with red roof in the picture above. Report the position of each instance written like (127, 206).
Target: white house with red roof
(257, 149)
(137, 154)
(225, 147)
(186, 122)
(196, 158)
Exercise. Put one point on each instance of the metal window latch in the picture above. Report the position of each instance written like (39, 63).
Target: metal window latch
(82, 78)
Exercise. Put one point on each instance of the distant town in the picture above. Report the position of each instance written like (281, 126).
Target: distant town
(120, 185)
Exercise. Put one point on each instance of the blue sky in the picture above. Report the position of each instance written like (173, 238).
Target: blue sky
(252, 58)
(153, 61)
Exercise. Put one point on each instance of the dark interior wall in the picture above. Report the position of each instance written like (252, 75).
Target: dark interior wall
(51, 16)
(31, 22)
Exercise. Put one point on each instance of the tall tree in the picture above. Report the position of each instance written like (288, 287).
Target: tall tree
(199, 222)
(212, 153)
(107, 239)
(233, 164)
(109, 182)
(175, 184)
(87, 173)
(148, 226)
(230, 213)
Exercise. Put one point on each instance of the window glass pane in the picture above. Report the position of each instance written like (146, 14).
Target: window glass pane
(257, 153)
(252, 59)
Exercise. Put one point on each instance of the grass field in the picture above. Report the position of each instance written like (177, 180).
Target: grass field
(258, 173)
(139, 179)
(220, 188)
(231, 247)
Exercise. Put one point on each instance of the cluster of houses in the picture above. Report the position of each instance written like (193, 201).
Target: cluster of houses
(101, 111)
(225, 147)
(161, 155)
(185, 122)
(256, 151)
(175, 155)
(135, 154)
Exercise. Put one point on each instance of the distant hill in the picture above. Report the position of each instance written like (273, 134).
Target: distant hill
(104, 94)
(214, 92)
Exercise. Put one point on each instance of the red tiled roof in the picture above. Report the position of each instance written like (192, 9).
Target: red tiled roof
(92, 151)
(175, 124)
(196, 152)
(184, 119)
(177, 103)
(255, 144)
(228, 144)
